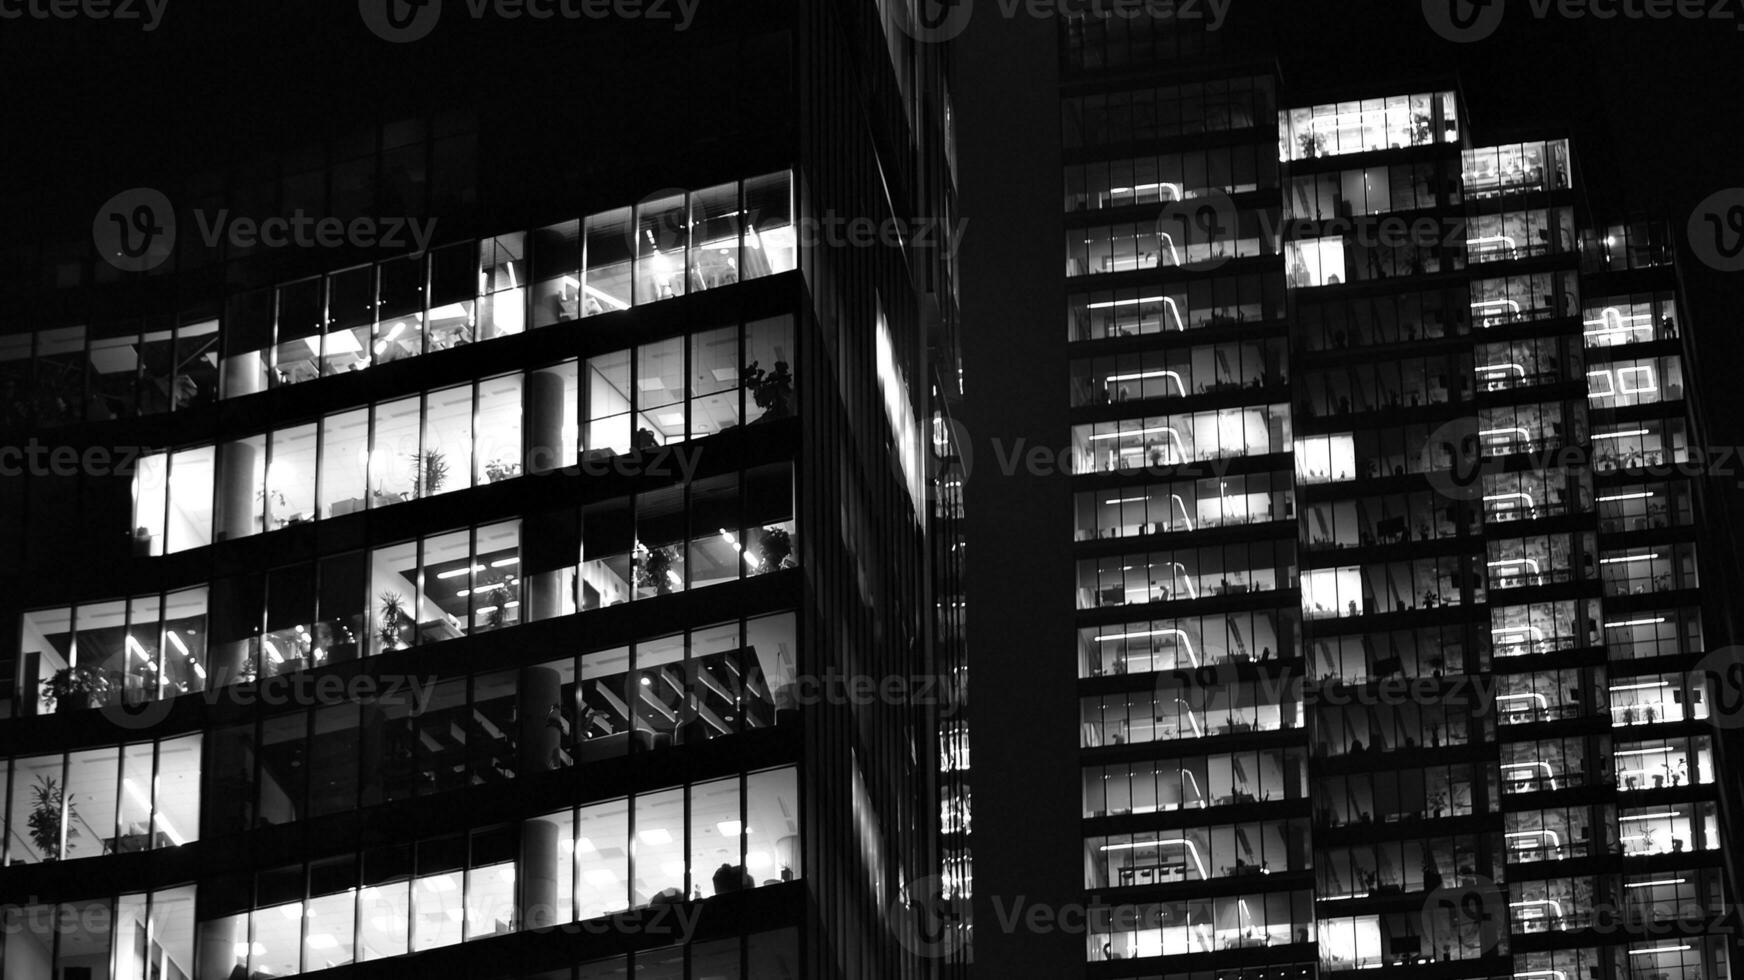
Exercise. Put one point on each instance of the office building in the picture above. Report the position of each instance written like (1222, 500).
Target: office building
(473, 610)
(1387, 621)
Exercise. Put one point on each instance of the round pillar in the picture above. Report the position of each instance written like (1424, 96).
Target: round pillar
(237, 504)
(539, 710)
(537, 876)
(544, 421)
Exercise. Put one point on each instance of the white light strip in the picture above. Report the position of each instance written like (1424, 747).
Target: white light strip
(1555, 841)
(1549, 773)
(1614, 498)
(1635, 622)
(1131, 432)
(1503, 240)
(1125, 302)
(1171, 842)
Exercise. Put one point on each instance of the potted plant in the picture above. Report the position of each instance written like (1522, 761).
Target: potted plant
(432, 472)
(772, 391)
(72, 688)
(275, 506)
(496, 471)
(1421, 129)
(47, 811)
(654, 568)
(775, 550)
(1311, 143)
(498, 599)
(393, 609)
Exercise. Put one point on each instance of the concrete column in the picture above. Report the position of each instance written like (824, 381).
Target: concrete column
(540, 692)
(544, 590)
(543, 424)
(543, 421)
(225, 662)
(245, 374)
(537, 876)
(237, 504)
(217, 958)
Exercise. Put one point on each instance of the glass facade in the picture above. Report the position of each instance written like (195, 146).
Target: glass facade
(491, 431)
(1428, 635)
(444, 586)
(459, 606)
(115, 800)
(402, 308)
